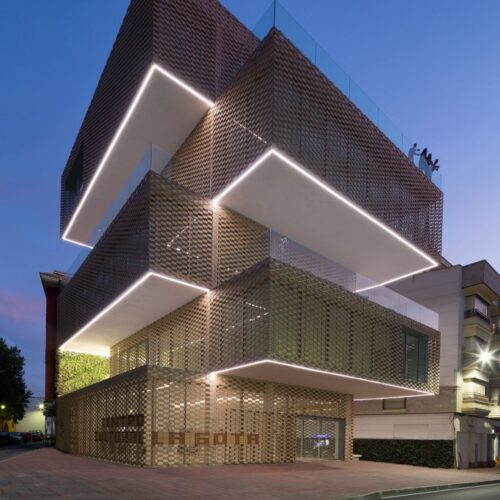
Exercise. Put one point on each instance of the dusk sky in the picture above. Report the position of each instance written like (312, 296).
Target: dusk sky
(433, 66)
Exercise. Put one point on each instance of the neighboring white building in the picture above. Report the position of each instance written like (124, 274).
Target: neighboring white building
(34, 419)
(467, 407)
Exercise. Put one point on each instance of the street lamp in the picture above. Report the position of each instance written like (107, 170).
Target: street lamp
(40, 406)
(485, 357)
(2, 407)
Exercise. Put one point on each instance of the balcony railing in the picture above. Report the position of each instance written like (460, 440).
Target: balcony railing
(276, 16)
(296, 255)
(470, 313)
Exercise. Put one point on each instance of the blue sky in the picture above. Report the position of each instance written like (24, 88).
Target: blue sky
(433, 66)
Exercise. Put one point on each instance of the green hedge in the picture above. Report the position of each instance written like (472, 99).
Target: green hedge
(428, 453)
(75, 371)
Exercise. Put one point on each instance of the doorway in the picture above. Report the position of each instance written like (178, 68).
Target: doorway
(320, 438)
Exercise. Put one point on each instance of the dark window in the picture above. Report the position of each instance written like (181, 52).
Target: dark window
(74, 181)
(394, 404)
(415, 356)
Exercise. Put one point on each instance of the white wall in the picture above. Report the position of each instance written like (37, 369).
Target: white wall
(404, 426)
(441, 291)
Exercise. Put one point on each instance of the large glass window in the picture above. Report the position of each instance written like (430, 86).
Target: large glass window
(74, 180)
(415, 356)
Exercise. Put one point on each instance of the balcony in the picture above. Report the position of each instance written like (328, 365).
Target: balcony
(277, 17)
(475, 404)
(157, 254)
(278, 323)
(146, 265)
(164, 110)
(319, 335)
(285, 148)
(300, 257)
(125, 282)
(278, 193)
(154, 159)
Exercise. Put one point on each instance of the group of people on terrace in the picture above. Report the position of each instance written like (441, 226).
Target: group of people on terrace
(425, 163)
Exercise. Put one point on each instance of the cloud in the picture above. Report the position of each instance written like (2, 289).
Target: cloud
(20, 308)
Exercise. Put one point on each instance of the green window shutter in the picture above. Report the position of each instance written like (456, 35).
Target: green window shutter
(414, 356)
(422, 359)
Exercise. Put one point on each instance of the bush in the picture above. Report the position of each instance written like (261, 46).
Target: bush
(428, 453)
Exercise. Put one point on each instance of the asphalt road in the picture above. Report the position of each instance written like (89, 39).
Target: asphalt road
(8, 452)
(487, 492)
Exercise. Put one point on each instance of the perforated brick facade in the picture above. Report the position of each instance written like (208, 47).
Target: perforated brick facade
(269, 298)
(198, 40)
(280, 99)
(163, 417)
(275, 311)
(165, 228)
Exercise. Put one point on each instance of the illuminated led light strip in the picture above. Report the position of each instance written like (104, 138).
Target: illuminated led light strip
(125, 294)
(324, 372)
(402, 277)
(397, 397)
(336, 194)
(243, 175)
(108, 355)
(69, 240)
(118, 133)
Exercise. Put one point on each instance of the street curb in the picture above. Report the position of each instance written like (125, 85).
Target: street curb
(379, 495)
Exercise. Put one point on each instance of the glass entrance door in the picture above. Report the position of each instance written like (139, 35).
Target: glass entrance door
(320, 438)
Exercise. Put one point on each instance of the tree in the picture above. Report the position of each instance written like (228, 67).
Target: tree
(14, 394)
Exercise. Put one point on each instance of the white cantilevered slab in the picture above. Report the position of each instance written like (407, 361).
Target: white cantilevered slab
(163, 113)
(282, 195)
(148, 299)
(284, 373)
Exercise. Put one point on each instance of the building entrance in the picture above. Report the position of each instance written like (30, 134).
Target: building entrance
(320, 438)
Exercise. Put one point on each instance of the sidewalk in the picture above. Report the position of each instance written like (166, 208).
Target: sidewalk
(48, 473)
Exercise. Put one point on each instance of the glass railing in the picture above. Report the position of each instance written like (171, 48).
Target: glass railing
(386, 297)
(296, 255)
(154, 159)
(278, 17)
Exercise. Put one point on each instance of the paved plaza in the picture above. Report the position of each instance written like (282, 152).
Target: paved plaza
(48, 473)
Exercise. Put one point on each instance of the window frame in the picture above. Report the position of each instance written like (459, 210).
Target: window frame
(422, 355)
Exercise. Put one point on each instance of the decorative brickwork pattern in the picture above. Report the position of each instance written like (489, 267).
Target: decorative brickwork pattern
(197, 40)
(165, 417)
(165, 228)
(270, 298)
(83, 428)
(319, 324)
(280, 99)
(274, 311)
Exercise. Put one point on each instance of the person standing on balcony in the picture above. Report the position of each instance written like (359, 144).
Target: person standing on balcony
(412, 152)
(423, 163)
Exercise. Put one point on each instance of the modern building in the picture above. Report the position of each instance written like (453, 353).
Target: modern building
(465, 416)
(240, 216)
